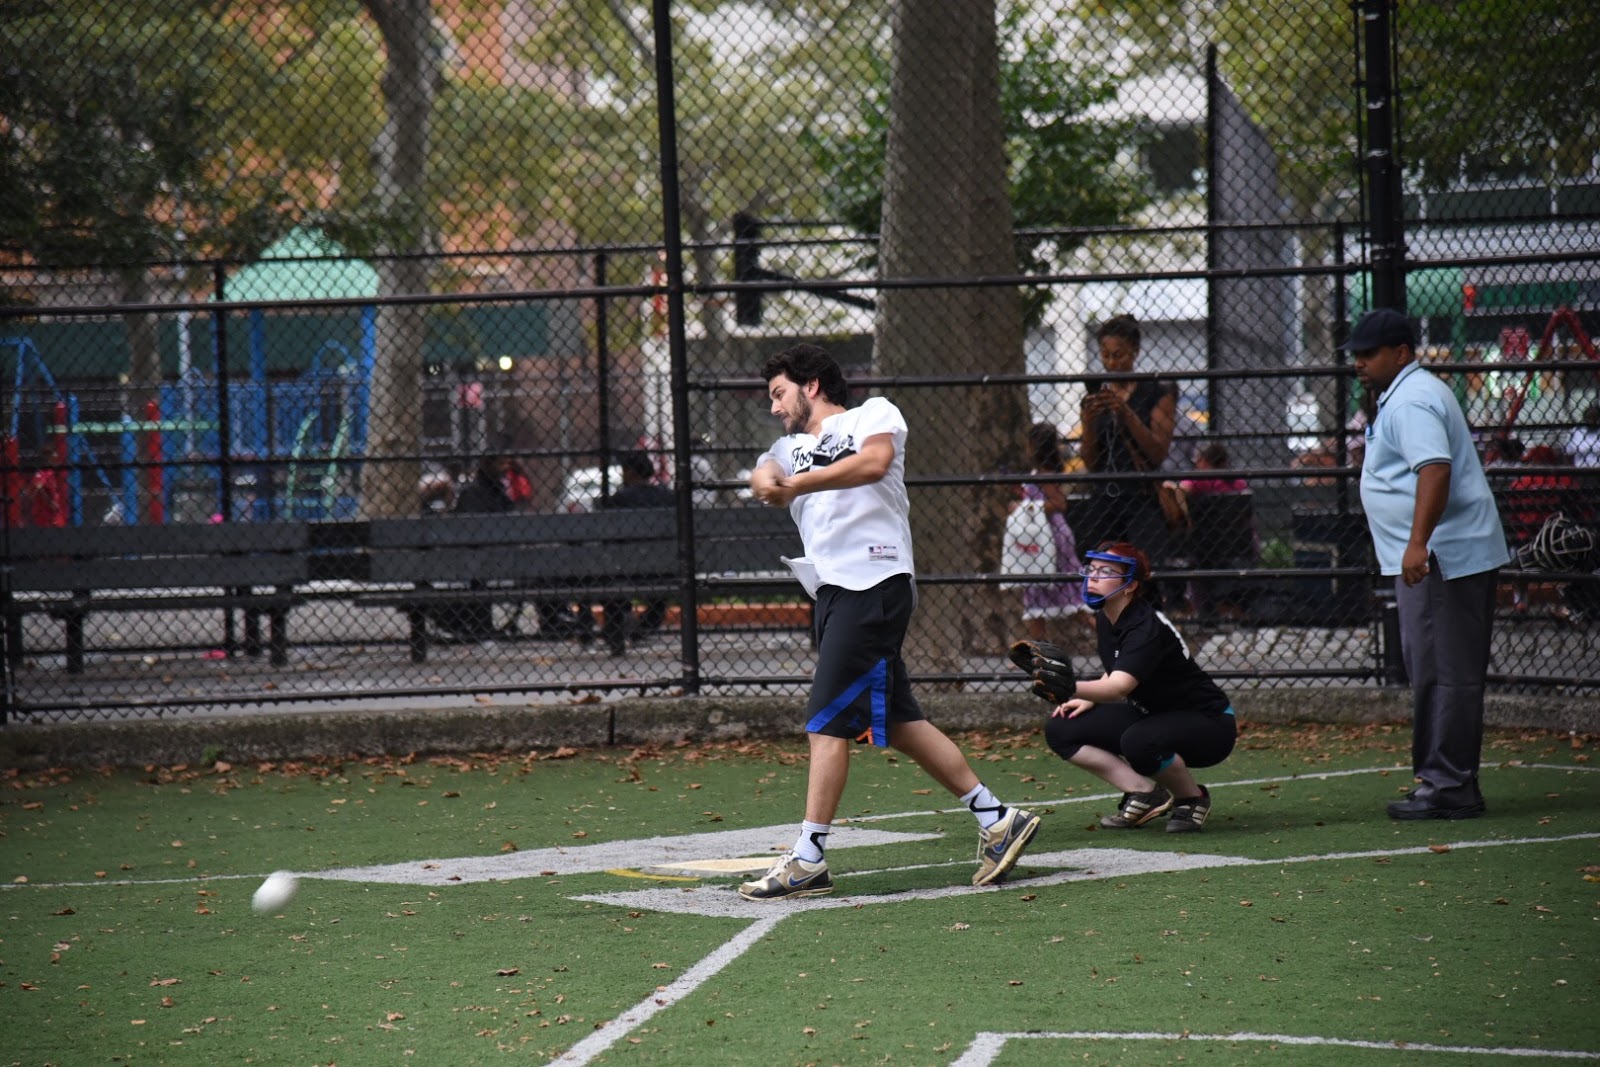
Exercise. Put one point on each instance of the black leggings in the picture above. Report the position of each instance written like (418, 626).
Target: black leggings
(1147, 742)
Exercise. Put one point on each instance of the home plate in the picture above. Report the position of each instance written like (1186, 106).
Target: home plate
(665, 853)
(750, 865)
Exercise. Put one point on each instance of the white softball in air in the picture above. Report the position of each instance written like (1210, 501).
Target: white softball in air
(275, 893)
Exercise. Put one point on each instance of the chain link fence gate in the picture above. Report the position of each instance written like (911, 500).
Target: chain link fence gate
(391, 347)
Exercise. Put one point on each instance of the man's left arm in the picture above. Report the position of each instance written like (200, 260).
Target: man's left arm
(1433, 494)
(869, 464)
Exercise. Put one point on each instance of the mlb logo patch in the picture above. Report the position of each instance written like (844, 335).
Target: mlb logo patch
(883, 552)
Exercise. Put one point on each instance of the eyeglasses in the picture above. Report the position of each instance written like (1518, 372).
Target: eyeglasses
(1103, 572)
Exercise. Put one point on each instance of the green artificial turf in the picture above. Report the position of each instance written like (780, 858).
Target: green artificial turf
(126, 934)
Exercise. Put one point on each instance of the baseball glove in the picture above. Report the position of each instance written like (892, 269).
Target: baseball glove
(1053, 677)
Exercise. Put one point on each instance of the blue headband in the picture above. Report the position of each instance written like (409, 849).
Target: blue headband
(1094, 600)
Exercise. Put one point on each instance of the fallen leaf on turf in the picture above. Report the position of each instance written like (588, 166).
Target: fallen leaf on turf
(166, 981)
(507, 972)
(1438, 848)
(393, 1016)
(509, 846)
(64, 911)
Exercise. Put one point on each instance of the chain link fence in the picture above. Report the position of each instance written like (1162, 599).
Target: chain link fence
(409, 347)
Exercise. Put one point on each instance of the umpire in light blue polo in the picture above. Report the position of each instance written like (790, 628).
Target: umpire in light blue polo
(1436, 531)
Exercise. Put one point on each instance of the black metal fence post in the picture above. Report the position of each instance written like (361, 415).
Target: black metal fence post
(219, 341)
(677, 339)
(1385, 206)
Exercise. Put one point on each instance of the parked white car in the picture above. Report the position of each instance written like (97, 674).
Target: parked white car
(581, 489)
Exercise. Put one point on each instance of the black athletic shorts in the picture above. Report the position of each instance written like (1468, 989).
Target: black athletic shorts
(861, 684)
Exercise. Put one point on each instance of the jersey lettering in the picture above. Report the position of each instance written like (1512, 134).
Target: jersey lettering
(830, 449)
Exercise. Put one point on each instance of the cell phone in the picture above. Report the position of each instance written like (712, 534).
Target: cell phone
(1092, 385)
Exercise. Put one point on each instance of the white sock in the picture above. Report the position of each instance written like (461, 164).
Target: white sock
(812, 841)
(985, 805)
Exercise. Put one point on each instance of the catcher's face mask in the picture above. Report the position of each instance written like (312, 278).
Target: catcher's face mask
(1090, 571)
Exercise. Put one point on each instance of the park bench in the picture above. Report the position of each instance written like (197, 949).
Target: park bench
(71, 573)
(430, 564)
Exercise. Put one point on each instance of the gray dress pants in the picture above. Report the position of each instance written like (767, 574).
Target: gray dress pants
(1444, 639)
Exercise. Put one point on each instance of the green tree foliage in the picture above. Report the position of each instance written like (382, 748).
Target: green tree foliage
(116, 127)
(1063, 164)
(1476, 83)
(1500, 85)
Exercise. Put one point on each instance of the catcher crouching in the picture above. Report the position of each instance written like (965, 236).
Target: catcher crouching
(1150, 717)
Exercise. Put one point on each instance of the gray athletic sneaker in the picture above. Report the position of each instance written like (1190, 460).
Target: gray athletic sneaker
(1137, 809)
(790, 877)
(1188, 815)
(1000, 846)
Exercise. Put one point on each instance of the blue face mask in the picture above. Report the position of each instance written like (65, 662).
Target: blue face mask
(1094, 600)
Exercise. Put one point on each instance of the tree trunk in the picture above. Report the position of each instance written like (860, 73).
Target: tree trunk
(410, 79)
(946, 213)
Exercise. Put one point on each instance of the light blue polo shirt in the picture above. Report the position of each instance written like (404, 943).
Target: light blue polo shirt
(1420, 423)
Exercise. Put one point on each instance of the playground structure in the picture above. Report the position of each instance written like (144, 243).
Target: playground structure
(1562, 317)
(281, 441)
(291, 447)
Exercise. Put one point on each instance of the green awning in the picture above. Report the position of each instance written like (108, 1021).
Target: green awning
(288, 270)
(1432, 291)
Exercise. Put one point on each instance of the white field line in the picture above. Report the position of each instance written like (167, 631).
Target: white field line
(1310, 776)
(724, 901)
(692, 979)
(986, 1047)
(1073, 865)
(649, 851)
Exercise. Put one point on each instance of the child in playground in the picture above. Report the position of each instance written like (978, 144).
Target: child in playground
(1151, 717)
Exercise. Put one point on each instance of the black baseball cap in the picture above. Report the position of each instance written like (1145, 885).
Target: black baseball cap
(1380, 328)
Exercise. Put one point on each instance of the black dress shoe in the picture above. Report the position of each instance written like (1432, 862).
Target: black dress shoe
(1413, 807)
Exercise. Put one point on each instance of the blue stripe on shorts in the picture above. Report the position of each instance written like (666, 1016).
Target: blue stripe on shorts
(877, 678)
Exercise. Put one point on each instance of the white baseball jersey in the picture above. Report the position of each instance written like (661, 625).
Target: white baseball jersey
(856, 537)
